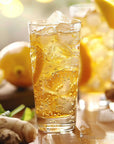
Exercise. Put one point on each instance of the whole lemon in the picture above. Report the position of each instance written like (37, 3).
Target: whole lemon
(16, 64)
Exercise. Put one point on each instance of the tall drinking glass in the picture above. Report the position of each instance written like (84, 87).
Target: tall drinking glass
(96, 51)
(107, 9)
(55, 66)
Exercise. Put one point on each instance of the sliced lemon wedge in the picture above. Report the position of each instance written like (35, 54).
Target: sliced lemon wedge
(107, 8)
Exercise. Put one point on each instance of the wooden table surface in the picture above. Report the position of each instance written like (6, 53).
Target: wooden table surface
(92, 127)
(94, 124)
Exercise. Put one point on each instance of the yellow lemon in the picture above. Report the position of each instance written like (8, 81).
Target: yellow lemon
(85, 59)
(107, 8)
(16, 64)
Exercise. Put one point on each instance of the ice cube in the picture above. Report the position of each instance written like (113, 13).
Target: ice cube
(69, 42)
(68, 39)
(104, 68)
(66, 104)
(97, 49)
(72, 62)
(52, 48)
(93, 19)
(81, 10)
(103, 28)
(64, 27)
(85, 31)
(108, 39)
(46, 30)
(56, 18)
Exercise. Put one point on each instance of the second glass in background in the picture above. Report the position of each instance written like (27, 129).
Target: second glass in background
(96, 52)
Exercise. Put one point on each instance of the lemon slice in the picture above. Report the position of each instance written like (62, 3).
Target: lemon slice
(38, 65)
(85, 59)
(107, 8)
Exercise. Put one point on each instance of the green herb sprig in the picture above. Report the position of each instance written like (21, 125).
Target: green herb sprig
(27, 115)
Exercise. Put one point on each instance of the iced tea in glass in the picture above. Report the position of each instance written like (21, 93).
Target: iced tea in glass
(55, 66)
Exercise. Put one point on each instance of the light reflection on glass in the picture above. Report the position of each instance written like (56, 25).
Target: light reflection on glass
(92, 106)
(111, 106)
(91, 101)
(82, 104)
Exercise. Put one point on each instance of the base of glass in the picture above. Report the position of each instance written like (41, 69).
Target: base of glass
(57, 125)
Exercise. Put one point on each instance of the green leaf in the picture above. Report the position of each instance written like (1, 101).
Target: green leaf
(16, 110)
(28, 114)
(1, 109)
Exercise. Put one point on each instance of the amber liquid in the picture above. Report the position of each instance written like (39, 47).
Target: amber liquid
(55, 66)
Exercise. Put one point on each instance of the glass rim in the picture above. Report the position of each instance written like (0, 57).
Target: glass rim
(83, 8)
(44, 22)
(92, 5)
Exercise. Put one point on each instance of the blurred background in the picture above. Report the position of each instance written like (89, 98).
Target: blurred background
(15, 14)
(96, 52)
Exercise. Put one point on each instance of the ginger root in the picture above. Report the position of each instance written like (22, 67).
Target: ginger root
(25, 130)
(9, 137)
(110, 94)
